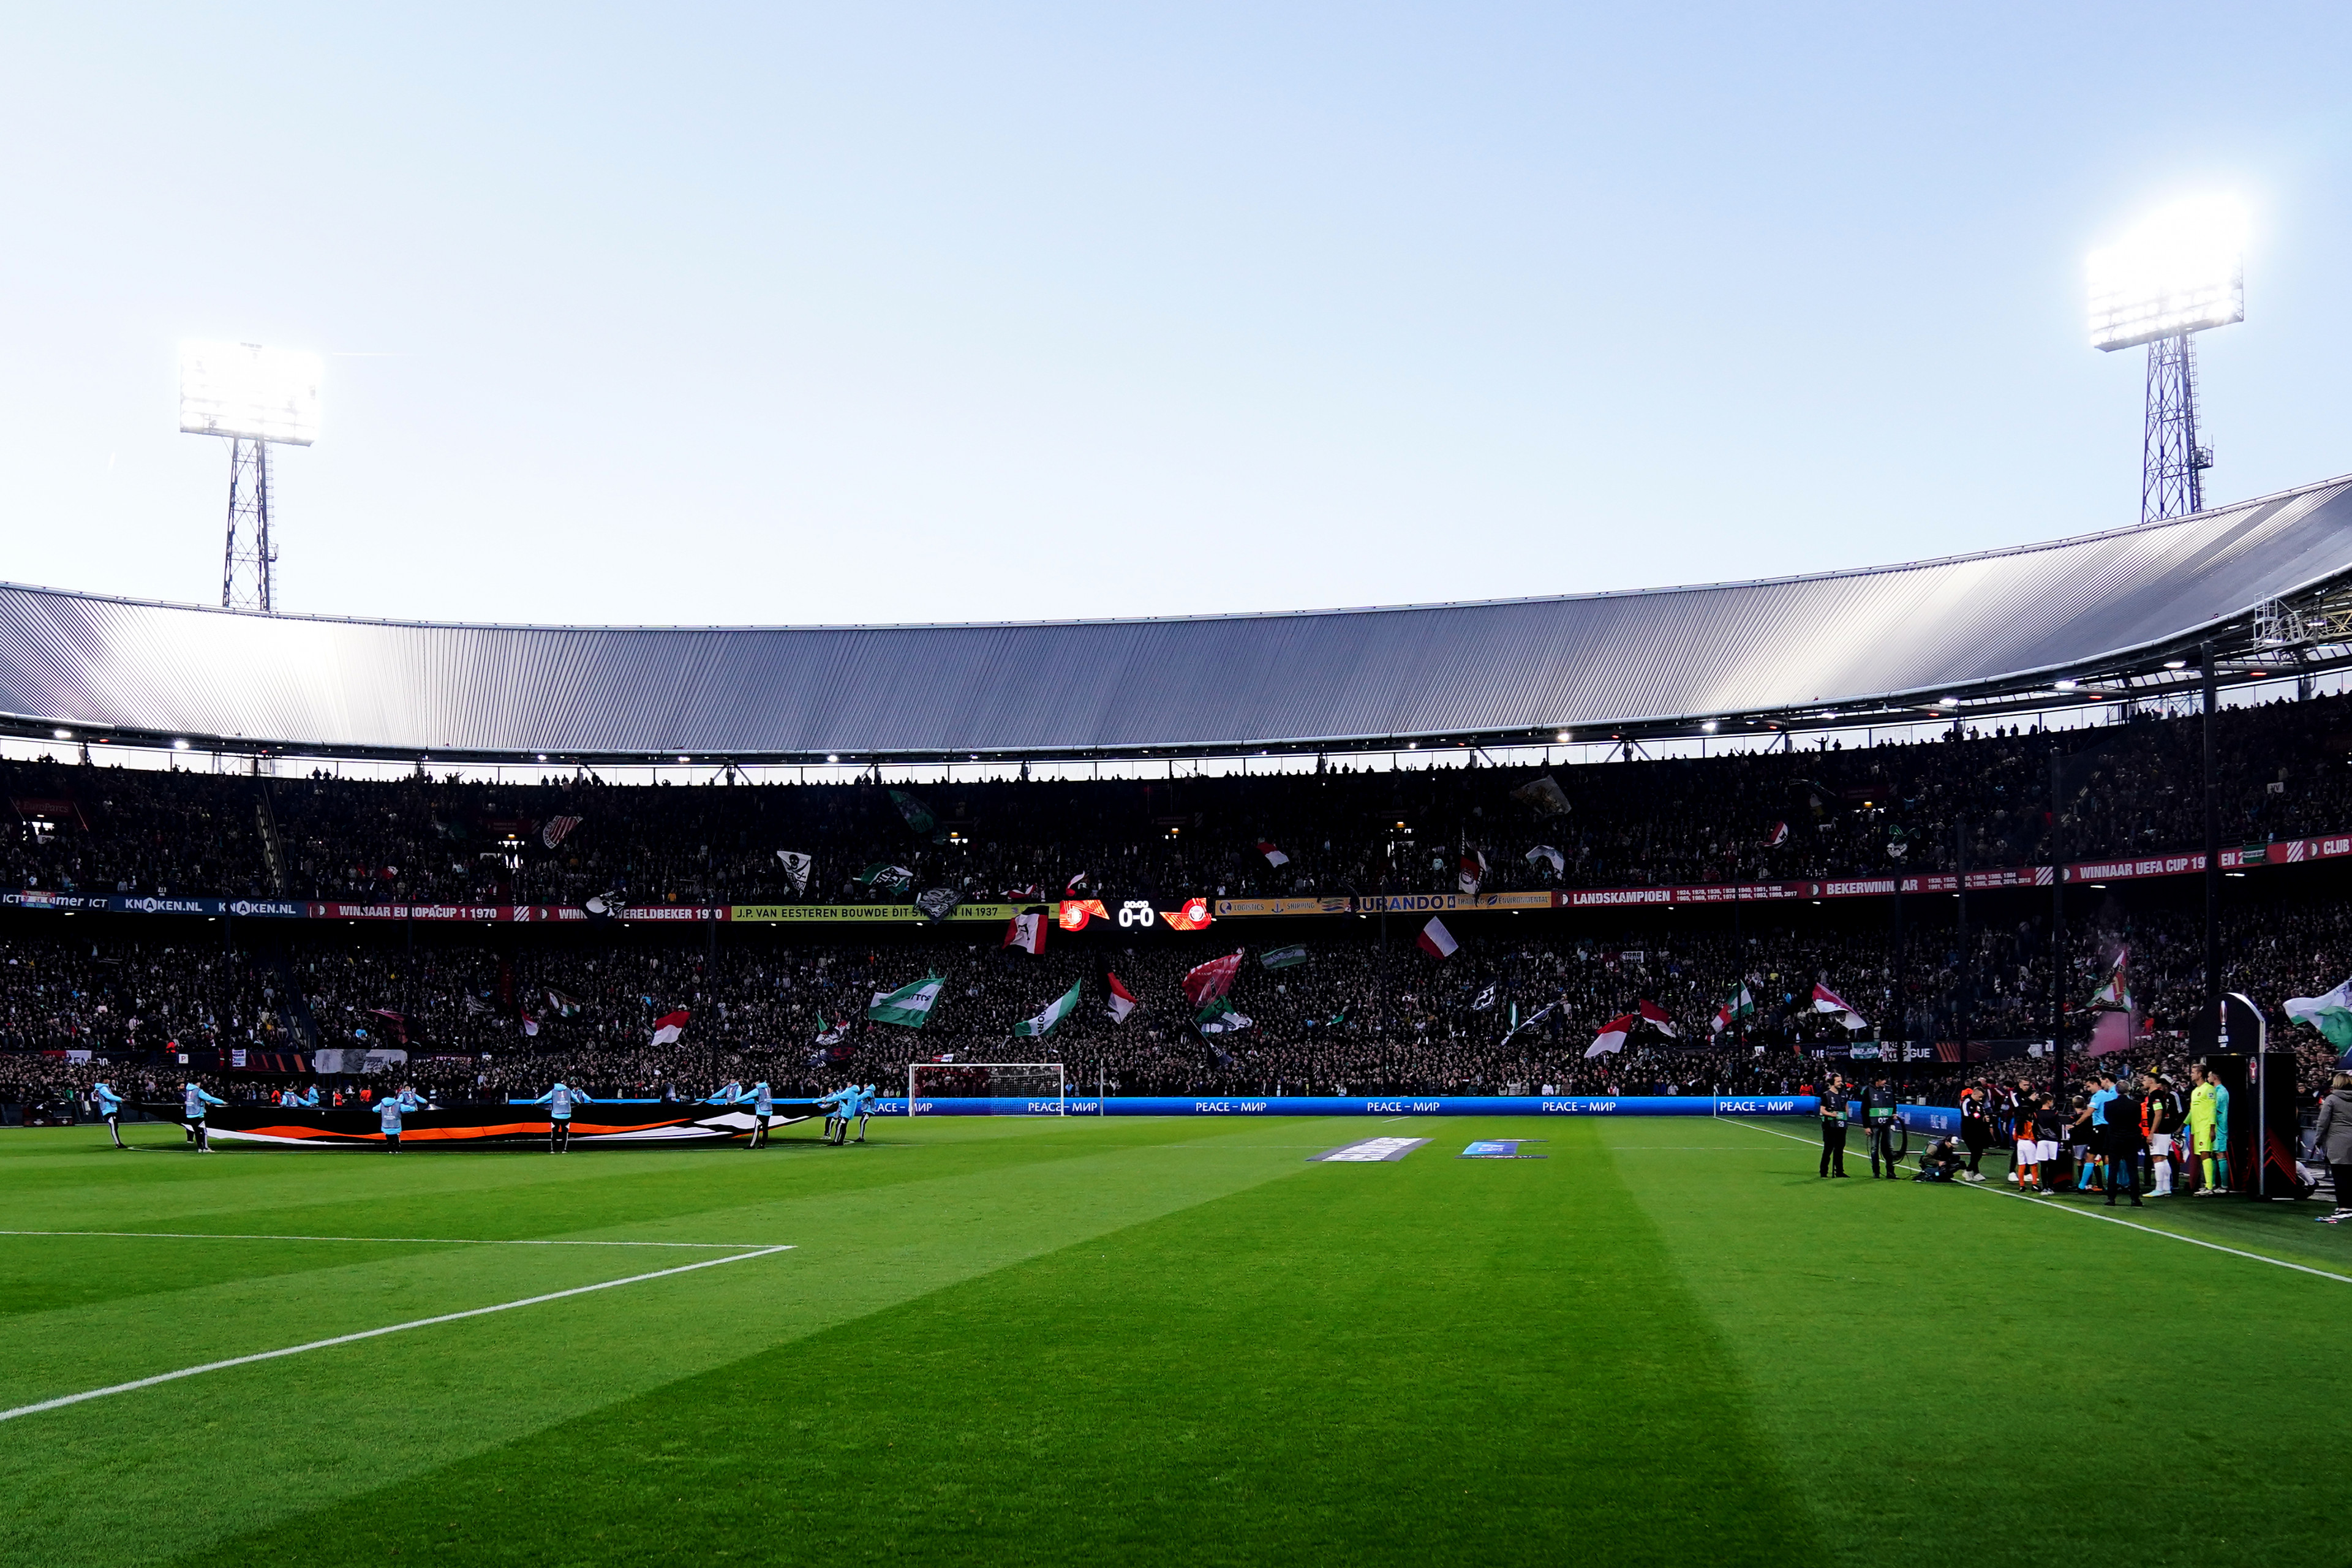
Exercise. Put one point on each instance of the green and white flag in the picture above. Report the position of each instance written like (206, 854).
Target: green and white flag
(908, 1004)
(1283, 957)
(888, 878)
(917, 816)
(2330, 1015)
(1218, 1019)
(1738, 1005)
(1056, 1011)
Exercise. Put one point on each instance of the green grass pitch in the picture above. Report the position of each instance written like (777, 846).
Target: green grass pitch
(1169, 1340)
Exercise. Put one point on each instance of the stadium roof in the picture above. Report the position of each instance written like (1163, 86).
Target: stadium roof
(1989, 631)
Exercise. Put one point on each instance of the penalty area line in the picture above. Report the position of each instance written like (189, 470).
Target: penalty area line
(376, 1333)
(2085, 1214)
(407, 1240)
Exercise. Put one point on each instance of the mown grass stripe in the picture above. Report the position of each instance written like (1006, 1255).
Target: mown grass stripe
(160, 1377)
(2086, 1214)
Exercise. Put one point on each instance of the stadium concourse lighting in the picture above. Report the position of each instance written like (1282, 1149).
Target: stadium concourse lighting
(251, 396)
(2182, 271)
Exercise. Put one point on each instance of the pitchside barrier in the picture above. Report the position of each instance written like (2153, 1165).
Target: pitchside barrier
(1348, 1105)
(1932, 1121)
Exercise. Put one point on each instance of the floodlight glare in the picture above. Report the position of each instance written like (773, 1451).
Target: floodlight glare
(2182, 271)
(245, 390)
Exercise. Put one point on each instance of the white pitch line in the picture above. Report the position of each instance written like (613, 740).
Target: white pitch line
(375, 1334)
(412, 1240)
(2086, 1214)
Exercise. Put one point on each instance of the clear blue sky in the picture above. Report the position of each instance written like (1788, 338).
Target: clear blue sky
(843, 312)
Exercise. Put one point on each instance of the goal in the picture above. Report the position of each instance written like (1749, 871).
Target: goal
(1043, 1085)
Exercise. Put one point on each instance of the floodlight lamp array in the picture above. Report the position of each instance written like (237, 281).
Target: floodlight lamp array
(2182, 271)
(249, 392)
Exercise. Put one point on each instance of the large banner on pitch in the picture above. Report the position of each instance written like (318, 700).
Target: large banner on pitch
(1350, 1105)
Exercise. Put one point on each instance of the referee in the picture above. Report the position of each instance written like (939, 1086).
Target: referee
(1832, 1130)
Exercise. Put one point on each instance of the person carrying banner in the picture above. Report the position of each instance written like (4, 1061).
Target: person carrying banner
(763, 1105)
(193, 1099)
(558, 1101)
(110, 1106)
(388, 1112)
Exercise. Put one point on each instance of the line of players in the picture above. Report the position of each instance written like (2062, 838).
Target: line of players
(842, 1107)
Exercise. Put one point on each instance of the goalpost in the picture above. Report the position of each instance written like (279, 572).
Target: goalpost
(1045, 1085)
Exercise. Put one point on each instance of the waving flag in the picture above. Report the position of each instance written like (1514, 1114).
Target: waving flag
(1612, 1037)
(1274, 856)
(889, 879)
(2330, 1015)
(1472, 870)
(1545, 855)
(1218, 1019)
(917, 816)
(908, 1004)
(1026, 931)
(1657, 1018)
(796, 866)
(1056, 1011)
(1484, 999)
(556, 829)
(1779, 836)
(669, 1027)
(1436, 941)
(1122, 1002)
(1544, 795)
(1738, 1005)
(1211, 980)
(2115, 995)
(1828, 1001)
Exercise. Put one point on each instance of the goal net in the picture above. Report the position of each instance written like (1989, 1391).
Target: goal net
(1044, 1086)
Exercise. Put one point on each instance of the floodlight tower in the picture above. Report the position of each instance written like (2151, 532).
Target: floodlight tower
(254, 398)
(2179, 272)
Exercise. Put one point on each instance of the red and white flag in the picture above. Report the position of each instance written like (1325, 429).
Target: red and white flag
(1026, 931)
(1655, 1016)
(1436, 941)
(1211, 980)
(1471, 871)
(1779, 836)
(1274, 856)
(1612, 1035)
(1121, 1001)
(669, 1026)
(1828, 1001)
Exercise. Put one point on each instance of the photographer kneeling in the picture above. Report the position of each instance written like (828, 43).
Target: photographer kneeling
(1941, 1163)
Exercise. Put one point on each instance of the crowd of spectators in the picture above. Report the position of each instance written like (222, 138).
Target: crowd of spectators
(1808, 812)
(492, 1015)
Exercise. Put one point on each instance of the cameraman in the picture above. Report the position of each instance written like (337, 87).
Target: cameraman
(1878, 1119)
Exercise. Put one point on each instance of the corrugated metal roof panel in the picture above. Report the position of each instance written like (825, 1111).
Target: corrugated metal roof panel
(1506, 666)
